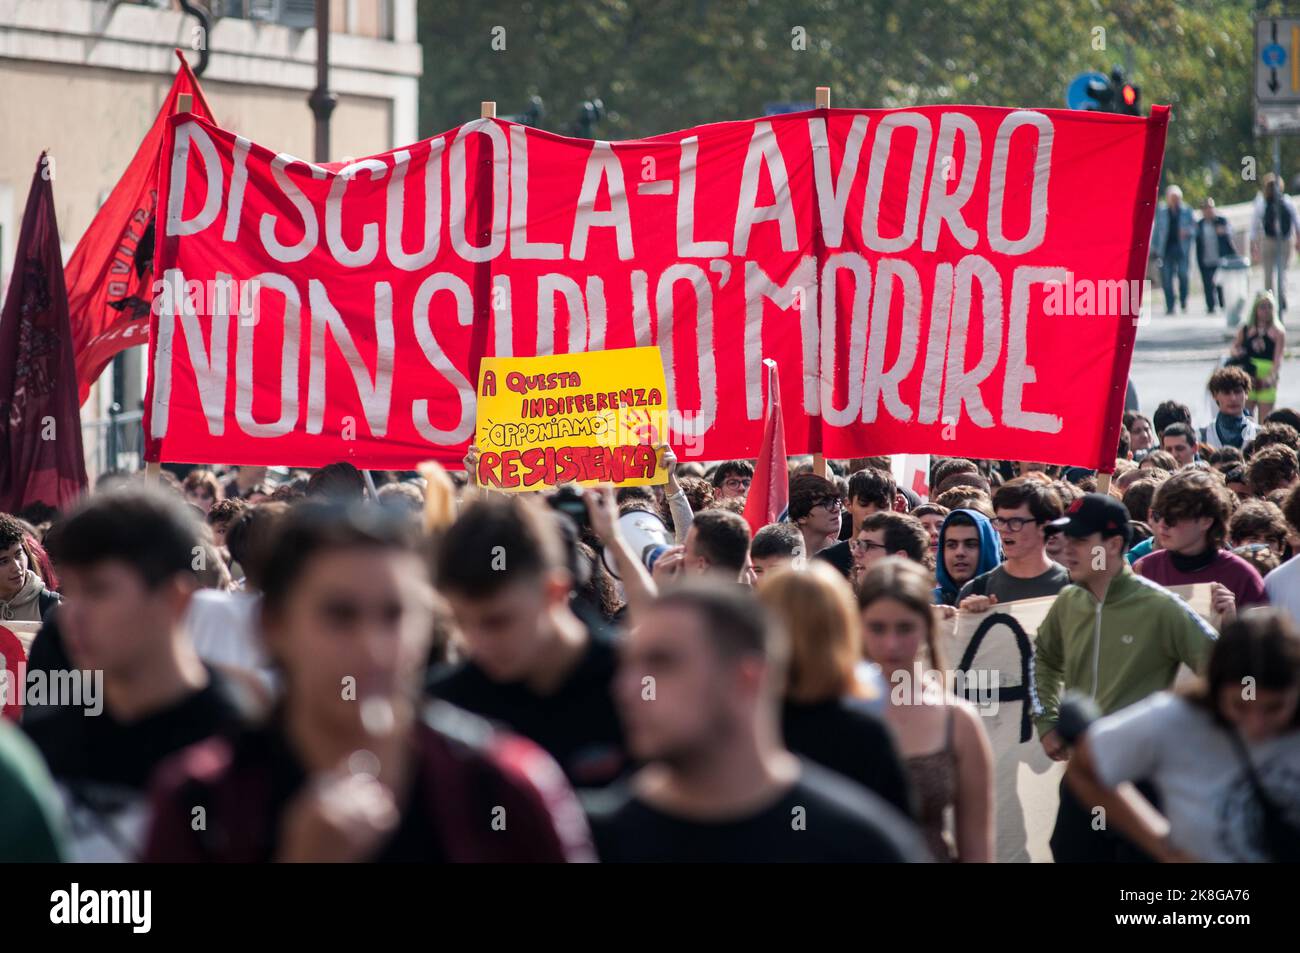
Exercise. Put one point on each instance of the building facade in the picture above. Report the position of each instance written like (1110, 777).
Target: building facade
(85, 79)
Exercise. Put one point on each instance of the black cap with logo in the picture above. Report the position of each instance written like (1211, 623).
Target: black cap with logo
(1094, 513)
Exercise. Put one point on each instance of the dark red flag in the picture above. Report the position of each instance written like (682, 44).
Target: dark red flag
(110, 273)
(40, 424)
(769, 494)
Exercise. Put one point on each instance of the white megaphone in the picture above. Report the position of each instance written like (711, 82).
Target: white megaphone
(646, 536)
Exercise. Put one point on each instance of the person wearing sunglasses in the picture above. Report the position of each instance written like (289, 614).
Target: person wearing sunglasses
(1189, 515)
(1024, 508)
(816, 507)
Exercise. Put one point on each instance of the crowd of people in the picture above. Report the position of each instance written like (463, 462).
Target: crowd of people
(276, 665)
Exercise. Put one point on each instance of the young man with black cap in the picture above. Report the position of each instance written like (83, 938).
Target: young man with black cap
(1111, 635)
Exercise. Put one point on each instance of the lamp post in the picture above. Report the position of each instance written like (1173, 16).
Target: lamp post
(322, 101)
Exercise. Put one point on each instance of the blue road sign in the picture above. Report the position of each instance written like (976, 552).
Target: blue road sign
(1076, 94)
(1273, 55)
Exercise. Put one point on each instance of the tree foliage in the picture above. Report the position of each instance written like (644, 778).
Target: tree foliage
(660, 65)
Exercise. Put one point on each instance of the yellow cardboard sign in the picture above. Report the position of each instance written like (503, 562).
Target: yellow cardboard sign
(586, 418)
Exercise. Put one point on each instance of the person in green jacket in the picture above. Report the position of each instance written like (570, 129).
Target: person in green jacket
(31, 828)
(1112, 636)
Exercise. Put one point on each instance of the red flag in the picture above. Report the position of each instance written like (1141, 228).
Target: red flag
(40, 425)
(110, 274)
(769, 493)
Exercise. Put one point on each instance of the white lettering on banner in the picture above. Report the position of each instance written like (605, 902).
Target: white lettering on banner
(602, 166)
(520, 247)
(1037, 198)
(687, 245)
(460, 239)
(502, 316)
(764, 153)
(861, 270)
(799, 292)
(641, 308)
(439, 360)
(586, 314)
(288, 254)
(177, 225)
(876, 182)
(877, 382)
(833, 194)
(395, 221)
(548, 288)
(936, 351)
(375, 392)
(961, 386)
(708, 376)
(1018, 372)
(238, 182)
(244, 380)
(364, 253)
(886, 332)
(945, 206)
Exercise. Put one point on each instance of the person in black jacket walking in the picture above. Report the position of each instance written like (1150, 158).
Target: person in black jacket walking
(1213, 238)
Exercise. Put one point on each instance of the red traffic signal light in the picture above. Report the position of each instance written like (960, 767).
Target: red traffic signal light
(1129, 94)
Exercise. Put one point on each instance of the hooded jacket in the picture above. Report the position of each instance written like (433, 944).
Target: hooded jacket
(990, 556)
(1118, 650)
(27, 606)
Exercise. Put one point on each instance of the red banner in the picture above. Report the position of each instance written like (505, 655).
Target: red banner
(957, 280)
(110, 273)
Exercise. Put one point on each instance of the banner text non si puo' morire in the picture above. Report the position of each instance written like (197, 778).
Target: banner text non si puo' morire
(895, 263)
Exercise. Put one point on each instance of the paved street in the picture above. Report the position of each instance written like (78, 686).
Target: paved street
(1175, 355)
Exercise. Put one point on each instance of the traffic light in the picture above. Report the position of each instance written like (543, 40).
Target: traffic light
(1130, 99)
(1115, 95)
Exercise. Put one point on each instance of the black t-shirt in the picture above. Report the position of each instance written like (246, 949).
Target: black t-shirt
(844, 735)
(840, 556)
(102, 766)
(822, 818)
(577, 724)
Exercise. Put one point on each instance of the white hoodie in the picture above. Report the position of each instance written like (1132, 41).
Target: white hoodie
(25, 606)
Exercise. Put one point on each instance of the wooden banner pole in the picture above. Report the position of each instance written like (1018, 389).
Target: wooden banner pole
(487, 110)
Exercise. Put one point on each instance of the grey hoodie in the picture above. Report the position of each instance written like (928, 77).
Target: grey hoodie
(24, 607)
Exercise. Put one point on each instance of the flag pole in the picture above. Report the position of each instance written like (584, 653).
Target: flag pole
(153, 469)
(819, 459)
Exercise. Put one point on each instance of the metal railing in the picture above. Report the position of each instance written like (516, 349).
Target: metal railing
(113, 443)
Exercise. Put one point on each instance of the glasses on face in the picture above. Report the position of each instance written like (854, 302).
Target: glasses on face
(736, 483)
(1155, 516)
(833, 504)
(1013, 523)
(865, 545)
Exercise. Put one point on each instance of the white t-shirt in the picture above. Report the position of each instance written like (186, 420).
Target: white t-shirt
(1283, 588)
(223, 628)
(1205, 792)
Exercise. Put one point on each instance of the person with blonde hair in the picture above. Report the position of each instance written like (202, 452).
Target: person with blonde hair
(827, 714)
(1261, 340)
(943, 744)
